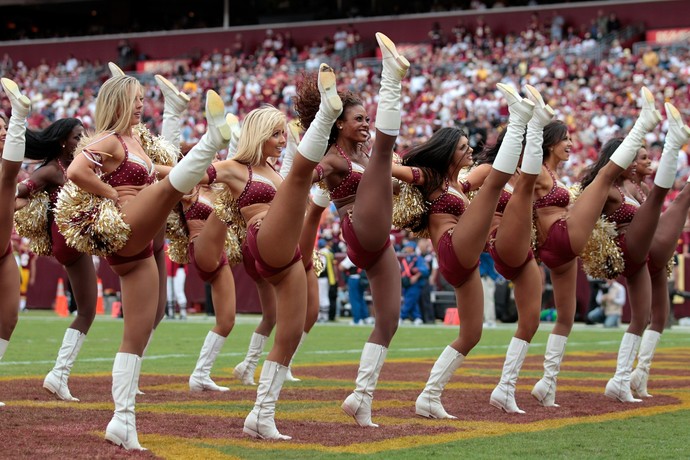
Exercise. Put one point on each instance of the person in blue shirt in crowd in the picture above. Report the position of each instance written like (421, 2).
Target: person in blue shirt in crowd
(356, 285)
(415, 276)
(489, 276)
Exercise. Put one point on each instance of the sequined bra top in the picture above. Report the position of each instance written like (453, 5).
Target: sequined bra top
(348, 186)
(450, 201)
(506, 193)
(132, 171)
(257, 190)
(199, 210)
(557, 196)
(626, 211)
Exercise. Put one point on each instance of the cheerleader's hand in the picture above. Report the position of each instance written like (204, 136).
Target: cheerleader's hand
(113, 195)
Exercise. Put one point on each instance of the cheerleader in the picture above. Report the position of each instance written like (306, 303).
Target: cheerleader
(206, 251)
(459, 228)
(269, 206)
(564, 229)
(636, 226)
(54, 146)
(245, 370)
(128, 178)
(510, 241)
(663, 247)
(360, 189)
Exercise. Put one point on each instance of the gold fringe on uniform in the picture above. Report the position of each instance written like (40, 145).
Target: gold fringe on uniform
(178, 237)
(233, 246)
(32, 222)
(602, 258)
(317, 262)
(226, 208)
(409, 207)
(160, 151)
(90, 223)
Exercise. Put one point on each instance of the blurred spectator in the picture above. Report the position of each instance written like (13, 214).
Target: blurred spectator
(611, 299)
(489, 275)
(426, 251)
(415, 276)
(357, 283)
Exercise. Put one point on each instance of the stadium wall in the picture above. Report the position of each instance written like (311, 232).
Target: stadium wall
(408, 28)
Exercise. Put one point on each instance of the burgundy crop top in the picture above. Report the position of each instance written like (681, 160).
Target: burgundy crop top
(626, 211)
(348, 187)
(450, 201)
(258, 189)
(557, 196)
(132, 171)
(199, 210)
(506, 193)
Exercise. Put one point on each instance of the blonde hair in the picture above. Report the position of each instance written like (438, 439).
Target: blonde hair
(115, 104)
(257, 127)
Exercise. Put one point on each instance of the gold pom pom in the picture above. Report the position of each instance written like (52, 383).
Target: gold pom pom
(226, 208)
(160, 151)
(178, 238)
(90, 223)
(575, 190)
(233, 245)
(322, 185)
(409, 207)
(317, 262)
(32, 222)
(602, 258)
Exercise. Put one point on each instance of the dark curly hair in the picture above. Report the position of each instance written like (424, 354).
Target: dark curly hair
(46, 145)
(308, 99)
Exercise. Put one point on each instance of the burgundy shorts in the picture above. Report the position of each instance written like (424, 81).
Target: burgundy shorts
(630, 267)
(449, 265)
(505, 270)
(262, 269)
(117, 259)
(206, 276)
(556, 250)
(358, 255)
(64, 254)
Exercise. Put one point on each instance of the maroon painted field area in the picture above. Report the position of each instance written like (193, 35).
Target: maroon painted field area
(33, 425)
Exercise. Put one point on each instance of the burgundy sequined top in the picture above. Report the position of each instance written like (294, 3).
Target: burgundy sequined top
(557, 196)
(132, 171)
(348, 187)
(450, 201)
(199, 210)
(257, 190)
(625, 212)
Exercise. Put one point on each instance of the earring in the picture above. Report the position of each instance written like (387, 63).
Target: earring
(63, 146)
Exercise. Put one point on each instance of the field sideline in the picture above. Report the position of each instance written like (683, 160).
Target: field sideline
(174, 423)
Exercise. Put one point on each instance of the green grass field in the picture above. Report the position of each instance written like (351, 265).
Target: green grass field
(643, 433)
